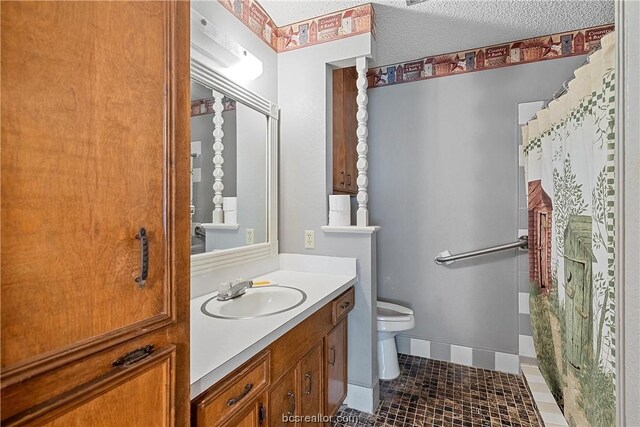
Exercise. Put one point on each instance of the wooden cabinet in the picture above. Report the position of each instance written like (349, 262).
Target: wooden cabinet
(231, 395)
(335, 345)
(95, 134)
(284, 399)
(299, 392)
(252, 415)
(311, 382)
(295, 381)
(345, 124)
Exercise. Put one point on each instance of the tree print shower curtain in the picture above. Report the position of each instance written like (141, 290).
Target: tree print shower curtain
(569, 168)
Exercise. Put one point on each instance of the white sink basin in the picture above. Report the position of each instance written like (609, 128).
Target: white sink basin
(256, 302)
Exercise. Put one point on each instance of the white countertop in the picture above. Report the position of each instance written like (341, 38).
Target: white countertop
(218, 346)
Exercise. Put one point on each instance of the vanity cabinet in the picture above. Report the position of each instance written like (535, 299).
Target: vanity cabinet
(236, 395)
(252, 414)
(345, 124)
(95, 220)
(335, 346)
(311, 382)
(306, 375)
(284, 399)
(299, 392)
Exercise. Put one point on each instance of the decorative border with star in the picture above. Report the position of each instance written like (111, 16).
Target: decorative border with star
(561, 45)
(326, 28)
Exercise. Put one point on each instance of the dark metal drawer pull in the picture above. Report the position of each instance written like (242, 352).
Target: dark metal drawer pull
(307, 387)
(238, 398)
(141, 280)
(292, 403)
(133, 356)
(345, 305)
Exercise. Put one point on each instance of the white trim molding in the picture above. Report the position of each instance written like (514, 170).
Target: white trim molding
(350, 229)
(362, 132)
(362, 398)
(627, 245)
(211, 261)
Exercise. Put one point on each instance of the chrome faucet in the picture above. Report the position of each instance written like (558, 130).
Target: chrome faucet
(227, 291)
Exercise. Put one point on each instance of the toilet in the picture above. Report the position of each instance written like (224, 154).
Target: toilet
(391, 319)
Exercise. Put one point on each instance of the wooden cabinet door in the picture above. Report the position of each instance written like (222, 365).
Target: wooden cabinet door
(252, 416)
(345, 124)
(87, 140)
(95, 134)
(311, 382)
(142, 398)
(336, 367)
(283, 399)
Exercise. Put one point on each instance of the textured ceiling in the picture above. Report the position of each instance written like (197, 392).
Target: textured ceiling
(443, 26)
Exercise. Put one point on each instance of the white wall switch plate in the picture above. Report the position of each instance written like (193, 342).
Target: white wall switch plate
(250, 236)
(309, 239)
(197, 175)
(196, 147)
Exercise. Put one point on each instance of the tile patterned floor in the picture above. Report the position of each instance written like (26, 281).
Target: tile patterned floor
(435, 393)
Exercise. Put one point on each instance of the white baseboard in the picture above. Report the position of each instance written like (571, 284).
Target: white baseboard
(363, 399)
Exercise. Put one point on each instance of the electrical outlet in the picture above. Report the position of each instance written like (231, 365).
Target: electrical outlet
(250, 236)
(309, 239)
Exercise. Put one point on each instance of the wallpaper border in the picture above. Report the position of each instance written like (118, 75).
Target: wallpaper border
(543, 48)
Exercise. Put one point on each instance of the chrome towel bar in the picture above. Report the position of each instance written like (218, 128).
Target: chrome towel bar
(446, 258)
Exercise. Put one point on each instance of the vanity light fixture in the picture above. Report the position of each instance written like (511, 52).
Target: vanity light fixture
(217, 49)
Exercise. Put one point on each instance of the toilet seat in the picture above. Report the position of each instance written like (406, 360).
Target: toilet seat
(389, 312)
(391, 319)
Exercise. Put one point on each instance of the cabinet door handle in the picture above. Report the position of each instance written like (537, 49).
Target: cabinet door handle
(332, 355)
(141, 280)
(349, 179)
(292, 403)
(243, 393)
(342, 179)
(307, 378)
(134, 356)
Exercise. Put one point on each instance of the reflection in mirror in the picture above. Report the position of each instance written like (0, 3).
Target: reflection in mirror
(229, 172)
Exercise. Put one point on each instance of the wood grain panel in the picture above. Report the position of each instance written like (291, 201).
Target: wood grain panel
(336, 367)
(292, 346)
(241, 388)
(345, 124)
(144, 400)
(284, 400)
(93, 382)
(312, 382)
(88, 111)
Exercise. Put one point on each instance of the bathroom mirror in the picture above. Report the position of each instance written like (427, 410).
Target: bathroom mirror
(233, 171)
(229, 165)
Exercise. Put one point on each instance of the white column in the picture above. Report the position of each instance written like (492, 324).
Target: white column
(218, 160)
(362, 147)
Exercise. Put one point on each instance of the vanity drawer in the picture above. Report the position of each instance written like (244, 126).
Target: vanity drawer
(342, 305)
(234, 393)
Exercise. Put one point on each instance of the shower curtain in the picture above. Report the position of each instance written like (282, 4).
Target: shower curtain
(569, 168)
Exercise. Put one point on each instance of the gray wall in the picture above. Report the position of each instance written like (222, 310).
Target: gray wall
(248, 164)
(305, 184)
(443, 175)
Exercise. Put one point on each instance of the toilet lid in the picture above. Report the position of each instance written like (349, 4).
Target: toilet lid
(389, 312)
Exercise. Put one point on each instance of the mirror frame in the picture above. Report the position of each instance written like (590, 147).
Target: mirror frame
(210, 261)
